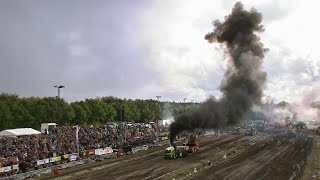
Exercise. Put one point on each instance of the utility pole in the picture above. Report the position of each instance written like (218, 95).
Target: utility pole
(184, 104)
(59, 87)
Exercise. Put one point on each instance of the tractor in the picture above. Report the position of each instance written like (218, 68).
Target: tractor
(191, 146)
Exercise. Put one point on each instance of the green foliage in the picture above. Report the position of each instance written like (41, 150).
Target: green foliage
(5, 115)
(81, 115)
(18, 112)
(146, 114)
(131, 110)
(98, 110)
(111, 113)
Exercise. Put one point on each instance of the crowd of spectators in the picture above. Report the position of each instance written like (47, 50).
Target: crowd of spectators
(24, 151)
(115, 136)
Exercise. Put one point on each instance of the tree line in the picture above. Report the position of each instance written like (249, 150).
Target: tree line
(18, 112)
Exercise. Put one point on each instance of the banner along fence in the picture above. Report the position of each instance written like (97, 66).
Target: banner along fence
(92, 155)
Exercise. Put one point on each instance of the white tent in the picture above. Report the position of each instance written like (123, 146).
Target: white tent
(165, 122)
(19, 132)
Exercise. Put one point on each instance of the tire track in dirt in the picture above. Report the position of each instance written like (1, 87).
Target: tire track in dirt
(155, 166)
(289, 165)
(266, 160)
(211, 149)
(228, 169)
(86, 168)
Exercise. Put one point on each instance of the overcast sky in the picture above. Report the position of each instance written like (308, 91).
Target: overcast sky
(145, 48)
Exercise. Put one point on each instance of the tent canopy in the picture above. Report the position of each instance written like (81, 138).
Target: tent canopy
(19, 132)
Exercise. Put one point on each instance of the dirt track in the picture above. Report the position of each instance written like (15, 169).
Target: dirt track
(266, 160)
(155, 166)
(258, 157)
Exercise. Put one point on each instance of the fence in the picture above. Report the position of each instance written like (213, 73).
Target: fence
(93, 155)
(40, 172)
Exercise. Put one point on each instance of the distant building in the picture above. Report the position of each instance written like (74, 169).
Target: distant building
(46, 128)
(165, 122)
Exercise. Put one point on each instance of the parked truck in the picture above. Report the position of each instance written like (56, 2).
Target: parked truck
(191, 146)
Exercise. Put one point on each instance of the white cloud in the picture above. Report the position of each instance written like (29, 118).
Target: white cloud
(173, 31)
(178, 51)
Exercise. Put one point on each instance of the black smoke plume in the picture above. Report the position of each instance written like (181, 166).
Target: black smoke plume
(243, 81)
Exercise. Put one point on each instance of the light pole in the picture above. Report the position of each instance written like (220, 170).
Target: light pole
(59, 87)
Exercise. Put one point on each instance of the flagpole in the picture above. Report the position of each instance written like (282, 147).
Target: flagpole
(125, 134)
(77, 139)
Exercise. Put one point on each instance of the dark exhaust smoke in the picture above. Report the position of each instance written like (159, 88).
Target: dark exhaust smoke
(243, 81)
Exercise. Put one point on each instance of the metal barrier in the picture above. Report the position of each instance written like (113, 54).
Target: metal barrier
(40, 172)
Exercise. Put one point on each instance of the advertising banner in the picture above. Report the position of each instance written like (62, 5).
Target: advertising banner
(46, 161)
(73, 157)
(99, 152)
(55, 159)
(43, 161)
(108, 150)
(6, 169)
(66, 156)
(40, 162)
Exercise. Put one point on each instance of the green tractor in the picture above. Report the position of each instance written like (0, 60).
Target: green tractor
(172, 152)
(191, 146)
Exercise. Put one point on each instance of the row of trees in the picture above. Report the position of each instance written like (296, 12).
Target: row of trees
(31, 112)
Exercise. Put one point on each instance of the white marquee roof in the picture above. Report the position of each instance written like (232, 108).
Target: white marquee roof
(19, 132)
